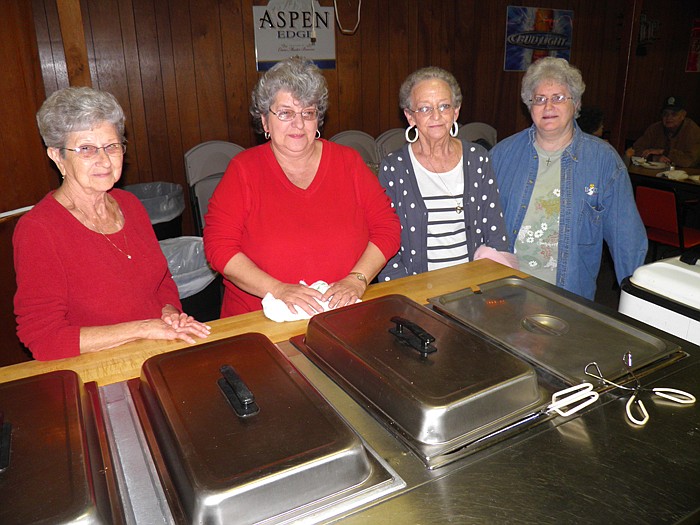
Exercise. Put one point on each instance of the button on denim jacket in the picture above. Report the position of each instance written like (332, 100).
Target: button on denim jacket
(597, 203)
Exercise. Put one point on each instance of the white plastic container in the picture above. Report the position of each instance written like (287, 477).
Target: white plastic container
(665, 294)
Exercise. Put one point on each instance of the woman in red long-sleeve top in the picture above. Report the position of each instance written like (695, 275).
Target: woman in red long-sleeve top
(90, 271)
(297, 208)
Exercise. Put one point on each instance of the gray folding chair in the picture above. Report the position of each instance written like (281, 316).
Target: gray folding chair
(204, 166)
(390, 140)
(477, 132)
(360, 141)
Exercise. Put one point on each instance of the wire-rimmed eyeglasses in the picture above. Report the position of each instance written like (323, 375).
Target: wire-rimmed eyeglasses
(287, 115)
(428, 110)
(89, 151)
(541, 100)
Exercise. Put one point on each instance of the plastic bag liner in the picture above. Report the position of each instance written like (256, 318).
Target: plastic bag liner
(187, 263)
(164, 201)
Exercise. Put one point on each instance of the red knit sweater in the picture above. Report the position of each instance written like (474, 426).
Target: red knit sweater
(294, 234)
(69, 276)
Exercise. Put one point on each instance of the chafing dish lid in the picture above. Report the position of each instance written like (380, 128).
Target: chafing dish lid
(468, 383)
(552, 330)
(48, 479)
(294, 450)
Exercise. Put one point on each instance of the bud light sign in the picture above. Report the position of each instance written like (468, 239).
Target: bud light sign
(533, 33)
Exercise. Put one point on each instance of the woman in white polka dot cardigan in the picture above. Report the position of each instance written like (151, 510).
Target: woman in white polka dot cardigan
(443, 189)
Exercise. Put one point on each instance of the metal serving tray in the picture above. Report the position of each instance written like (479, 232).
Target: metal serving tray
(538, 322)
(292, 455)
(438, 403)
(58, 469)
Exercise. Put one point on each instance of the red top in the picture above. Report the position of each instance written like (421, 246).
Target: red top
(294, 234)
(69, 276)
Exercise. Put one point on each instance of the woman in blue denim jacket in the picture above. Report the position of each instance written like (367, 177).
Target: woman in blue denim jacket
(563, 191)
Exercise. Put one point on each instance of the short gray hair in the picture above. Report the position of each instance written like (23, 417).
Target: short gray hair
(77, 109)
(429, 73)
(301, 77)
(552, 69)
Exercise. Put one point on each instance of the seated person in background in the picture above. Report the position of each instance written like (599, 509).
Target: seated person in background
(442, 188)
(90, 272)
(297, 208)
(564, 192)
(590, 120)
(674, 140)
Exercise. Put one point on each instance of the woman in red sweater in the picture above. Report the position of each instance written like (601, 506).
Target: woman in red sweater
(297, 208)
(90, 271)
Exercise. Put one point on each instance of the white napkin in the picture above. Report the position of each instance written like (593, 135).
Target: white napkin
(276, 310)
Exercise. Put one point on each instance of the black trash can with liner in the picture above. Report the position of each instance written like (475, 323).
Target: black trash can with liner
(198, 285)
(164, 202)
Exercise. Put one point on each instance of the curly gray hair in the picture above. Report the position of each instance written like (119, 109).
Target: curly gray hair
(429, 73)
(77, 109)
(552, 69)
(301, 77)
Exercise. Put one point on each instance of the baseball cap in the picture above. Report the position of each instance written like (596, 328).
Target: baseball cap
(674, 103)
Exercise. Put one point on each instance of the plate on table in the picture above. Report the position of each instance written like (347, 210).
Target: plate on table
(654, 165)
(673, 175)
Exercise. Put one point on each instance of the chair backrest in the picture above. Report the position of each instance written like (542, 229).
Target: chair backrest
(204, 166)
(203, 190)
(657, 208)
(360, 141)
(478, 131)
(390, 140)
(209, 158)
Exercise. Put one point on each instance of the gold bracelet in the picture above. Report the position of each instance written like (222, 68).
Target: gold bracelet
(360, 276)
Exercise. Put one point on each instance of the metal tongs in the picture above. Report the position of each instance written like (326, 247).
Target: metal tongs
(635, 409)
(565, 401)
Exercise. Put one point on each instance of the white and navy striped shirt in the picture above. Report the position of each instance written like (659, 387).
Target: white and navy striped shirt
(442, 193)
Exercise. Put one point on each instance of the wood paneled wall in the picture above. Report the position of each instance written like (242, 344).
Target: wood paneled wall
(25, 176)
(184, 69)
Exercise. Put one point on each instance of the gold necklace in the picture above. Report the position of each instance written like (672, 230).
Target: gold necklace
(458, 207)
(98, 230)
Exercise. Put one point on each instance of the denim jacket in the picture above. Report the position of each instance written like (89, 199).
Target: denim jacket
(597, 204)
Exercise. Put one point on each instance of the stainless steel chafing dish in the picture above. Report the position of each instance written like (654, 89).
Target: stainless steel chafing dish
(239, 436)
(556, 333)
(55, 464)
(438, 386)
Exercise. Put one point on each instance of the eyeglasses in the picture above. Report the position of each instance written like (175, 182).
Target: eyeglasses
(428, 110)
(287, 115)
(541, 100)
(88, 151)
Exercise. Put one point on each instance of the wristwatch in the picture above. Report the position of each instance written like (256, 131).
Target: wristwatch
(360, 276)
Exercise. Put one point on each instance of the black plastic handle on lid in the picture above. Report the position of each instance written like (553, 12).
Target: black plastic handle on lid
(237, 392)
(415, 336)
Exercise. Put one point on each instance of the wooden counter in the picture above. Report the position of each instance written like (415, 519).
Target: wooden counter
(124, 362)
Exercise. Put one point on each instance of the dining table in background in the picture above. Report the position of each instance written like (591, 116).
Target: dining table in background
(687, 190)
(638, 172)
